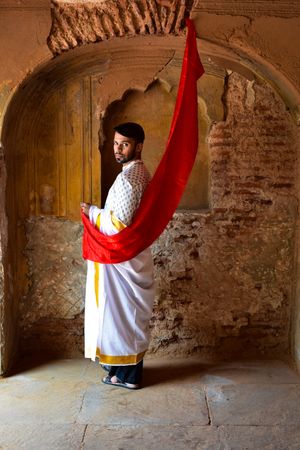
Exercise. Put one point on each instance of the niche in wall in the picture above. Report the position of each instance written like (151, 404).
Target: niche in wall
(153, 109)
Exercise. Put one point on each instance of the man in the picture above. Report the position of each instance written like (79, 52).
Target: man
(119, 297)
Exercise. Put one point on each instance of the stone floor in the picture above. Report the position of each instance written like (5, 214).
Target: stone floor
(183, 405)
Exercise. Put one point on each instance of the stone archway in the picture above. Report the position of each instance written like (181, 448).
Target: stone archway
(41, 199)
(239, 322)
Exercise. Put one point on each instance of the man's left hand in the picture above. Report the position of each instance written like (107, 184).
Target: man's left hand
(85, 208)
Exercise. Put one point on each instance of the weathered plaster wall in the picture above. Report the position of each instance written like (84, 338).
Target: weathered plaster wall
(24, 27)
(268, 29)
(251, 225)
(224, 275)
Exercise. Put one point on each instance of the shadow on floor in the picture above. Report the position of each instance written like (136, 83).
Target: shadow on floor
(187, 372)
(29, 362)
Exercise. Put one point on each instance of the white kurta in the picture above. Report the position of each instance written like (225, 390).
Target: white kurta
(119, 297)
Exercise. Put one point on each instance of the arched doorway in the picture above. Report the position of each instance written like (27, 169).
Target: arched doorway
(51, 142)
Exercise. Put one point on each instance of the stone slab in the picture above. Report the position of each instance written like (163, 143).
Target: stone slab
(270, 438)
(247, 372)
(41, 436)
(254, 404)
(94, 372)
(152, 438)
(164, 405)
(37, 402)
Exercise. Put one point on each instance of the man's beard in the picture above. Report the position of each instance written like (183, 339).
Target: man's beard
(121, 159)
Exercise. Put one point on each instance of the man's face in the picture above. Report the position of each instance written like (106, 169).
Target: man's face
(125, 149)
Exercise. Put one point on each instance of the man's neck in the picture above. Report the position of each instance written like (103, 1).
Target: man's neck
(128, 163)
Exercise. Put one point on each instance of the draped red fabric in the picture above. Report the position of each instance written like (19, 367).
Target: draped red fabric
(164, 191)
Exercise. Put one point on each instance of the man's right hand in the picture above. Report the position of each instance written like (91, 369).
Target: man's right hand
(85, 208)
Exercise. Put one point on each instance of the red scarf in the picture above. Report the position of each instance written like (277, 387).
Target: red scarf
(164, 191)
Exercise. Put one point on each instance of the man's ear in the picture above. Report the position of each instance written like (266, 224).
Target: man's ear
(139, 147)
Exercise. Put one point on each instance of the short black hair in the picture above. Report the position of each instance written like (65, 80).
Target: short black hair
(132, 130)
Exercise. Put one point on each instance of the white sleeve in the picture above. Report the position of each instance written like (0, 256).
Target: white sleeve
(94, 213)
(129, 198)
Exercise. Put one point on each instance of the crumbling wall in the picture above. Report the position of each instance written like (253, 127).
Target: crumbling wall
(224, 275)
(51, 312)
(77, 23)
(247, 249)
